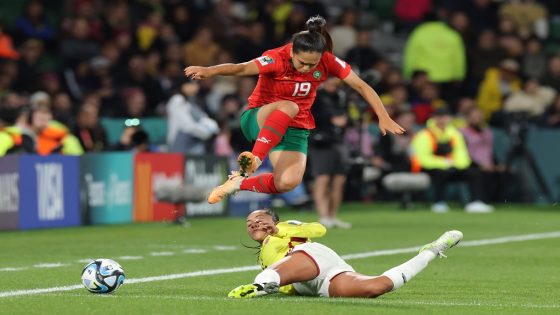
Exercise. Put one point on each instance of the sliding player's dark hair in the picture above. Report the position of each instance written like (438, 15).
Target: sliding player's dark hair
(273, 214)
(315, 39)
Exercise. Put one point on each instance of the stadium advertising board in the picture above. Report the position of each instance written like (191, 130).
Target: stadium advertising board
(107, 187)
(50, 187)
(9, 196)
(205, 171)
(242, 203)
(152, 170)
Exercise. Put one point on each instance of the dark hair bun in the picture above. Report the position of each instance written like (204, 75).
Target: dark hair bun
(316, 23)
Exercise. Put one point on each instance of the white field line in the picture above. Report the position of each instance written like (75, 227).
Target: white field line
(500, 240)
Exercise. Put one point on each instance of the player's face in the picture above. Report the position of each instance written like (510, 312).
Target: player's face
(256, 225)
(305, 61)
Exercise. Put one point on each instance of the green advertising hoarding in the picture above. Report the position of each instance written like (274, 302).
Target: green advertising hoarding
(107, 187)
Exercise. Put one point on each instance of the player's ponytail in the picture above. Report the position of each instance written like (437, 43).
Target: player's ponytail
(315, 39)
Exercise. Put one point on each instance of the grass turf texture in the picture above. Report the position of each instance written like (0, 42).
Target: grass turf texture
(511, 278)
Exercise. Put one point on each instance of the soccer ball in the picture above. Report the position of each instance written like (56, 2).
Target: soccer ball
(102, 276)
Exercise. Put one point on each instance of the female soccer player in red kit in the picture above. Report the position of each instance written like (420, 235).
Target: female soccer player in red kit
(278, 118)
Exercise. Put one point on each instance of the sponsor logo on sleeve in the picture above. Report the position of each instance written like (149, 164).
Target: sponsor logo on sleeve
(265, 60)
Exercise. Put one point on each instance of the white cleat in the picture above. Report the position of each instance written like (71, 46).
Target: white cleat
(443, 243)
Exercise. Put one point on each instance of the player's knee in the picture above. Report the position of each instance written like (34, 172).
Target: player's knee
(289, 108)
(286, 184)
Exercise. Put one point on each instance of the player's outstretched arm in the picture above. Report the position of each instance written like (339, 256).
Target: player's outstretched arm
(369, 94)
(237, 69)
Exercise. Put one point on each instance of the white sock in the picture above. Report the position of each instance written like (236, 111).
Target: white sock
(268, 276)
(401, 274)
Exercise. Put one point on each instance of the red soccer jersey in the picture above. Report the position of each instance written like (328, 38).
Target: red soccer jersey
(278, 81)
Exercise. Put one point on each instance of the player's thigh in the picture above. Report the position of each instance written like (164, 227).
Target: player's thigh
(288, 165)
(296, 267)
(353, 284)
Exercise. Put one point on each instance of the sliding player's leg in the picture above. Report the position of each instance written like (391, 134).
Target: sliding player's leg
(351, 284)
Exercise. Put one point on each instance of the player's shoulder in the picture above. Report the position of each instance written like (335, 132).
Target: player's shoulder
(291, 223)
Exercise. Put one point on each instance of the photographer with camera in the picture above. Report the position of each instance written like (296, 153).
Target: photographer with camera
(328, 154)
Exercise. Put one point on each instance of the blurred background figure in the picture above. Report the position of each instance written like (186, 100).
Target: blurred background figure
(440, 151)
(189, 129)
(328, 154)
(88, 130)
(52, 136)
(480, 144)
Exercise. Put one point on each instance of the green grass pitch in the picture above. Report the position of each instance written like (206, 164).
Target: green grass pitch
(507, 277)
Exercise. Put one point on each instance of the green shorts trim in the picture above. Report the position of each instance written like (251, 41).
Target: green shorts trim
(295, 139)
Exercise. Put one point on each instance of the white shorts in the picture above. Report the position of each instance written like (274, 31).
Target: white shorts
(329, 264)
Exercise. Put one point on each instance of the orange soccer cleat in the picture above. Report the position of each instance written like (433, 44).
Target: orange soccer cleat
(248, 163)
(230, 187)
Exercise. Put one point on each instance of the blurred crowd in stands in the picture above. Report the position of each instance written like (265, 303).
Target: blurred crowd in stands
(448, 71)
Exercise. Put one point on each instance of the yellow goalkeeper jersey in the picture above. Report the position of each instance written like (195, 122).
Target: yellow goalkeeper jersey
(290, 233)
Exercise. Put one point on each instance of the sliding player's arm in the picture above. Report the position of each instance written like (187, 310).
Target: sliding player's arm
(299, 229)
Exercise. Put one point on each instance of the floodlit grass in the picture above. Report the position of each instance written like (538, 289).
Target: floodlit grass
(509, 278)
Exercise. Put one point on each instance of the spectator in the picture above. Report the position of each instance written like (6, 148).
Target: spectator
(183, 21)
(392, 154)
(436, 48)
(328, 153)
(418, 81)
(344, 33)
(78, 47)
(528, 16)
(552, 76)
(533, 99)
(464, 106)
(52, 136)
(62, 108)
(410, 13)
(148, 31)
(33, 23)
(88, 130)
(440, 151)
(202, 50)
(29, 68)
(134, 103)
(551, 117)
(482, 14)
(534, 60)
(497, 85)
(13, 138)
(136, 75)
(396, 101)
(363, 55)
(480, 144)
(189, 127)
(461, 23)
(484, 55)
(427, 102)
(7, 50)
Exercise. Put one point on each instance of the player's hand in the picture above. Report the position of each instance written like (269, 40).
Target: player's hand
(197, 73)
(386, 124)
(269, 228)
